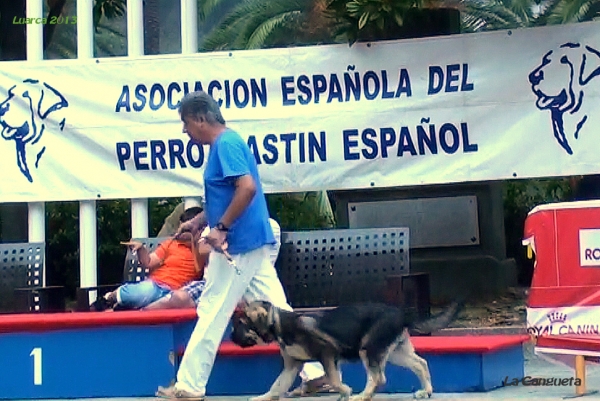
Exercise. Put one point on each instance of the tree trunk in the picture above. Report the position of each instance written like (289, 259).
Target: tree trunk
(56, 7)
(12, 36)
(152, 27)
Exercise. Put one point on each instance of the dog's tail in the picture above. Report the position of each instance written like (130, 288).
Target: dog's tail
(438, 322)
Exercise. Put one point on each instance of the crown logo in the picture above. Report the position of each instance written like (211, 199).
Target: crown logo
(557, 317)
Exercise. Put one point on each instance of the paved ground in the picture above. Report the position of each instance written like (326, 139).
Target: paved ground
(534, 366)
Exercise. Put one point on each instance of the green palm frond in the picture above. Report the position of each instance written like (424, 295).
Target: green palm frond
(222, 37)
(206, 7)
(567, 11)
(266, 10)
(252, 22)
(498, 14)
(509, 14)
(110, 9)
(262, 33)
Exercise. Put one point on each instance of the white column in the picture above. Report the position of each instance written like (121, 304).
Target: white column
(189, 45)
(35, 52)
(88, 254)
(139, 218)
(189, 26)
(35, 32)
(135, 48)
(135, 28)
(85, 29)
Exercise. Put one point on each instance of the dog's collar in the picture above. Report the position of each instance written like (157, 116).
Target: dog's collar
(274, 321)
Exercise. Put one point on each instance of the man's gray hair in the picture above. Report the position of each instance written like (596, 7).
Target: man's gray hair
(200, 104)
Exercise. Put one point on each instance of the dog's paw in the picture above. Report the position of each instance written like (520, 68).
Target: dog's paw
(422, 394)
(345, 393)
(265, 397)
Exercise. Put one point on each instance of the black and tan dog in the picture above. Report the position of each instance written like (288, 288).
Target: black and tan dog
(372, 333)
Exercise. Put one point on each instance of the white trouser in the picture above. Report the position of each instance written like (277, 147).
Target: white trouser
(224, 288)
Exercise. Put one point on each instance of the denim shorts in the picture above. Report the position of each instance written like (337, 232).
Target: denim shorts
(139, 295)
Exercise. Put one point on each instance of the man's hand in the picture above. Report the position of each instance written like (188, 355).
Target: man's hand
(186, 227)
(216, 239)
(192, 226)
(203, 248)
(134, 245)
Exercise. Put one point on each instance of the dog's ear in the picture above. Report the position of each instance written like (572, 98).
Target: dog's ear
(50, 101)
(590, 65)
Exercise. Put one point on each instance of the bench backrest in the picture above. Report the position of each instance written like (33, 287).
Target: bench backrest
(133, 271)
(335, 267)
(21, 266)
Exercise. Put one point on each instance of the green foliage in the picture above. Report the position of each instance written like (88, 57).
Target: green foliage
(108, 9)
(255, 24)
(370, 19)
(109, 38)
(62, 244)
(520, 197)
(482, 15)
(297, 212)
(568, 11)
(487, 15)
(252, 19)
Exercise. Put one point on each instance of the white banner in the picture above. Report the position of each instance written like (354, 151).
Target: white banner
(470, 107)
(570, 320)
(581, 321)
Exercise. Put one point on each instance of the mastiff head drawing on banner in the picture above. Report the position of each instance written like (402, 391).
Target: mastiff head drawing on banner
(23, 119)
(560, 83)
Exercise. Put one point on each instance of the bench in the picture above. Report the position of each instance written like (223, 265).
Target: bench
(132, 273)
(582, 347)
(323, 268)
(21, 280)
(130, 353)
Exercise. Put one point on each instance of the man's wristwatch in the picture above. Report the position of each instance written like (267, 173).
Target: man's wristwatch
(221, 227)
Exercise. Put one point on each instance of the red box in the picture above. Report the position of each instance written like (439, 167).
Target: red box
(566, 240)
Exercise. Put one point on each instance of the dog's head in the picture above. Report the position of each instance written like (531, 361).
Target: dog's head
(559, 82)
(24, 106)
(253, 323)
(23, 113)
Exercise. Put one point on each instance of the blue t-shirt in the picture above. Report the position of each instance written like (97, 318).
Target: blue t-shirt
(230, 157)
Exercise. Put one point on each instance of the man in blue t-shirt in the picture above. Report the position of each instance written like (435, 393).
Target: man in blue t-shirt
(236, 210)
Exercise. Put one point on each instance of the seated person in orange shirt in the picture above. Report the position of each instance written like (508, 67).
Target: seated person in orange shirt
(173, 264)
(189, 295)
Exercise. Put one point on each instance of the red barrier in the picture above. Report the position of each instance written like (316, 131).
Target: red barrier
(39, 322)
(425, 345)
(574, 343)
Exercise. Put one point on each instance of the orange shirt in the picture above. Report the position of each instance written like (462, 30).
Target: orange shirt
(178, 265)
